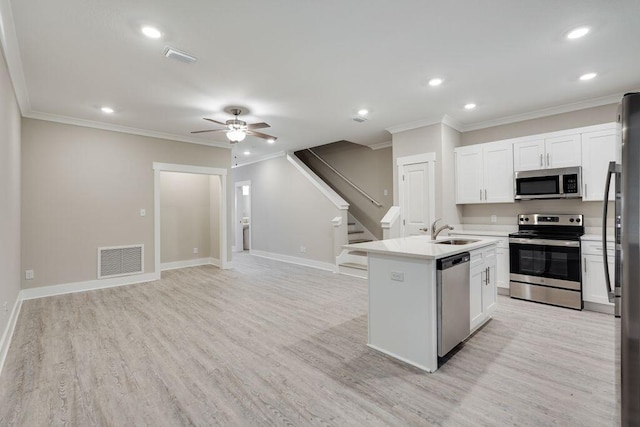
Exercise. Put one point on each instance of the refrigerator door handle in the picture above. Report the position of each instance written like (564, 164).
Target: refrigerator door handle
(610, 172)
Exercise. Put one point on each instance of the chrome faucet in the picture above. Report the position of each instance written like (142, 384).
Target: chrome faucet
(435, 232)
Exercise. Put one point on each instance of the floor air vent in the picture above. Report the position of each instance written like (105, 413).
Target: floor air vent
(120, 261)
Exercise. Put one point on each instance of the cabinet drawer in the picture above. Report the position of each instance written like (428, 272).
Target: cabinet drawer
(595, 248)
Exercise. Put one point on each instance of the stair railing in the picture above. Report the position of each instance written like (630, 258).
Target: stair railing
(358, 189)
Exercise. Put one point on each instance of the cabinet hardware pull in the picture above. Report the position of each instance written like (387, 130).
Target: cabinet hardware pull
(540, 160)
(585, 264)
(481, 194)
(585, 190)
(548, 160)
(485, 194)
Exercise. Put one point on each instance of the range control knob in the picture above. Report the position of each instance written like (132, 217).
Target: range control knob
(577, 219)
(526, 219)
(571, 220)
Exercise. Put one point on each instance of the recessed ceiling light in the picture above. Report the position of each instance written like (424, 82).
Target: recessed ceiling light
(435, 82)
(470, 106)
(107, 110)
(363, 112)
(588, 76)
(271, 140)
(151, 32)
(247, 152)
(577, 33)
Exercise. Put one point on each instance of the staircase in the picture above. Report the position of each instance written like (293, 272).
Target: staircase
(353, 262)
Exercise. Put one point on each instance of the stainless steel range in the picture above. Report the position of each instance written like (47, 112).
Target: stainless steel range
(545, 259)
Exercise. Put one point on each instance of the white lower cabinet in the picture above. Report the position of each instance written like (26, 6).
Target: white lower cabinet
(594, 288)
(482, 292)
(502, 256)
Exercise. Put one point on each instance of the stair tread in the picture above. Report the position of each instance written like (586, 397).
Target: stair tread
(351, 223)
(354, 265)
(355, 232)
(358, 253)
(359, 241)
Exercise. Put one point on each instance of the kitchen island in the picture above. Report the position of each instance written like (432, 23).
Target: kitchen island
(403, 312)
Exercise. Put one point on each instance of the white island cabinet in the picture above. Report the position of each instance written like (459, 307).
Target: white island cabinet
(402, 315)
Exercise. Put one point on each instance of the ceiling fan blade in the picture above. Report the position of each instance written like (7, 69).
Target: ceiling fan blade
(209, 130)
(260, 125)
(260, 135)
(214, 121)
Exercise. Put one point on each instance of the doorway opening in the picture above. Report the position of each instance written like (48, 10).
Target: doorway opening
(216, 180)
(242, 216)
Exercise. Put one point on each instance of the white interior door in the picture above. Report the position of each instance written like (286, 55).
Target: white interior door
(416, 201)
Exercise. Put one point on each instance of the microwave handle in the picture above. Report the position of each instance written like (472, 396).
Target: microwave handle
(607, 279)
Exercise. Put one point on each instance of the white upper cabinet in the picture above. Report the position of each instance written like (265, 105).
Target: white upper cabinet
(484, 173)
(547, 153)
(598, 149)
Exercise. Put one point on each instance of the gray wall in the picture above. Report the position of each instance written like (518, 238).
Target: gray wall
(287, 211)
(441, 140)
(371, 170)
(9, 197)
(83, 188)
(573, 119)
(187, 203)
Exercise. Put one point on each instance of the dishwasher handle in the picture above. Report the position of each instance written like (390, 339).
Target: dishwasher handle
(453, 261)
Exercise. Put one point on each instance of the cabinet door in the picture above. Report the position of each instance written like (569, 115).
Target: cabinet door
(475, 297)
(594, 286)
(528, 155)
(489, 290)
(502, 268)
(498, 172)
(469, 175)
(563, 151)
(598, 149)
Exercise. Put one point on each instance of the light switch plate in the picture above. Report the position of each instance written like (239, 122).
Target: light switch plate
(143, 212)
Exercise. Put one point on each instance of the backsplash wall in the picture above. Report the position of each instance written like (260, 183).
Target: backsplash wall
(506, 213)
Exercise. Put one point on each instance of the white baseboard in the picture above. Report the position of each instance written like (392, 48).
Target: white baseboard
(189, 263)
(295, 260)
(69, 288)
(8, 331)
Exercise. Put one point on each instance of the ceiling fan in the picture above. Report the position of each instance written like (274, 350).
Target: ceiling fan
(237, 129)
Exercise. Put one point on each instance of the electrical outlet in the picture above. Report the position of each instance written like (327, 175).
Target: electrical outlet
(195, 250)
(494, 218)
(386, 192)
(397, 276)
(28, 274)
(303, 249)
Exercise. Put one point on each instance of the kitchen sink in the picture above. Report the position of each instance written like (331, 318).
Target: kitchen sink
(455, 242)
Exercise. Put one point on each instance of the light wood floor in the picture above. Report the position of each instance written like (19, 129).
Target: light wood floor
(274, 344)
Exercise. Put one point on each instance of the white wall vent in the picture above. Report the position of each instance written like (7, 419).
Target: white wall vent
(120, 261)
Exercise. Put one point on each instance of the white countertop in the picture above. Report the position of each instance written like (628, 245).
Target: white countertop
(417, 247)
(493, 233)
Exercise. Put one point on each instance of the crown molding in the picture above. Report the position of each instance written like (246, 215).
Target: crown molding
(122, 129)
(9, 42)
(380, 145)
(452, 123)
(260, 159)
(413, 125)
(545, 112)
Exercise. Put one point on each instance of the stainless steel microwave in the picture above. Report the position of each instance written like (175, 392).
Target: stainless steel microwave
(561, 183)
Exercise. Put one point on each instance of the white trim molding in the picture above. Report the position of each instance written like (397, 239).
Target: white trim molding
(9, 40)
(322, 186)
(295, 260)
(416, 158)
(417, 124)
(8, 331)
(259, 159)
(189, 263)
(90, 285)
(381, 145)
(203, 170)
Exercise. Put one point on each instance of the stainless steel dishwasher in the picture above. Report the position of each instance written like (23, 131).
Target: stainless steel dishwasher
(452, 278)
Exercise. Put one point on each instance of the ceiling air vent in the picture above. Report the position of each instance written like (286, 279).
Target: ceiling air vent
(359, 119)
(179, 55)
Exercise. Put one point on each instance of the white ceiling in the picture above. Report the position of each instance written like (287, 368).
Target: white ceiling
(306, 67)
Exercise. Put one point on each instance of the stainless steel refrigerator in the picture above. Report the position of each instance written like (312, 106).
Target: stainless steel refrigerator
(624, 289)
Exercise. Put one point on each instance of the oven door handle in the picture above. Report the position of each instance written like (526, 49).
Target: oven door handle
(545, 242)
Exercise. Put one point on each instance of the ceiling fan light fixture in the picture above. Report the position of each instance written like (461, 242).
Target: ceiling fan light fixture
(236, 135)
